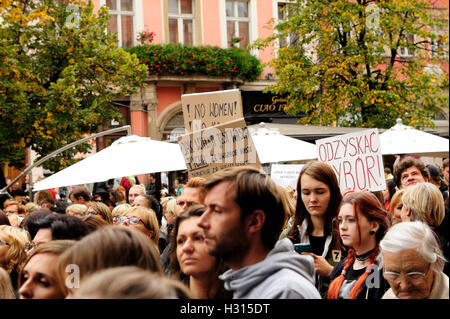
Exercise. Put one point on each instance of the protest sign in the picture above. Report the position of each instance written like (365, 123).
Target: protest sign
(211, 108)
(215, 148)
(355, 158)
(286, 174)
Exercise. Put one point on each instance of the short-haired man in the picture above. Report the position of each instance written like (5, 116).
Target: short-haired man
(410, 171)
(193, 194)
(80, 195)
(135, 191)
(57, 226)
(242, 223)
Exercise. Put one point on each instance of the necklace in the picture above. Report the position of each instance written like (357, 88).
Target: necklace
(364, 256)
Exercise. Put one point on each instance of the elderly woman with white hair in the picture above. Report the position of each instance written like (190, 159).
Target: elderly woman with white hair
(413, 263)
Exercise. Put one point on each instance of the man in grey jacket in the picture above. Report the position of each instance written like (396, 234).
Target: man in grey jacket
(244, 218)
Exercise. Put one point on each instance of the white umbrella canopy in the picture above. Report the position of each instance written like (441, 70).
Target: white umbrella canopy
(128, 156)
(403, 139)
(273, 147)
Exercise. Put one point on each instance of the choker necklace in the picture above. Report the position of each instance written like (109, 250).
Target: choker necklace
(364, 256)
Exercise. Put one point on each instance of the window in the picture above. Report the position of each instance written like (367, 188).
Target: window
(181, 21)
(438, 49)
(404, 51)
(284, 10)
(238, 21)
(122, 21)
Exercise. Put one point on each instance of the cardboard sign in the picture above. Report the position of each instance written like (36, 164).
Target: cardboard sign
(355, 158)
(202, 110)
(215, 148)
(286, 175)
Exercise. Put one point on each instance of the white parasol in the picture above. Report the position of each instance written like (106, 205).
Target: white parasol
(128, 156)
(273, 147)
(403, 139)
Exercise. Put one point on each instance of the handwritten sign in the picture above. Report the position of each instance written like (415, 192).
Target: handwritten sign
(286, 174)
(355, 158)
(202, 110)
(215, 148)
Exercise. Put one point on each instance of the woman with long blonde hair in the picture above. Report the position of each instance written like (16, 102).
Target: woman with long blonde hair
(13, 241)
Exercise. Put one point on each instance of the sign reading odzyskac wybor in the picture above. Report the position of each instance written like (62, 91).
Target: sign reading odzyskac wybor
(215, 148)
(211, 108)
(355, 158)
(286, 174)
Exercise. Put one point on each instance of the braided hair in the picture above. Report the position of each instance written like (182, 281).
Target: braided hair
(367, 204)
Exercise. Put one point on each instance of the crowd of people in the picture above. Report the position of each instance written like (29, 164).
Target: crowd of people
(236, 234)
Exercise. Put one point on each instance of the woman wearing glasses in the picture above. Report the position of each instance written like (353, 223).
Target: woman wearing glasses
(413, 263)
(363, 221)
(100, 210)
(142, 219)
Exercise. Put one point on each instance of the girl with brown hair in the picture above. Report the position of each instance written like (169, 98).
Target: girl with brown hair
(38, 277)
(362, 224)
(189, 261)
(318, 202)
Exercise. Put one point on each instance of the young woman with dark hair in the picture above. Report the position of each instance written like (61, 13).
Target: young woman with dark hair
(363, 221)
(189, 261)
(318, 201)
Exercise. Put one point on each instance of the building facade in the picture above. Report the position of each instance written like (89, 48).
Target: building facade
(155, 111)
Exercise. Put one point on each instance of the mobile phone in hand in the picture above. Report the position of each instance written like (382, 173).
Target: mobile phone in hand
(303, 248)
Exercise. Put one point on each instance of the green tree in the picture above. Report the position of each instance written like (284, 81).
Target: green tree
(346, 63)
(59, 71)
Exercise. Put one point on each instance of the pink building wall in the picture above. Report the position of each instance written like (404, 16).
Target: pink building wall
(265, 14)
(139, 123)
(167, 96)
(211, 23)
(153, 19)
